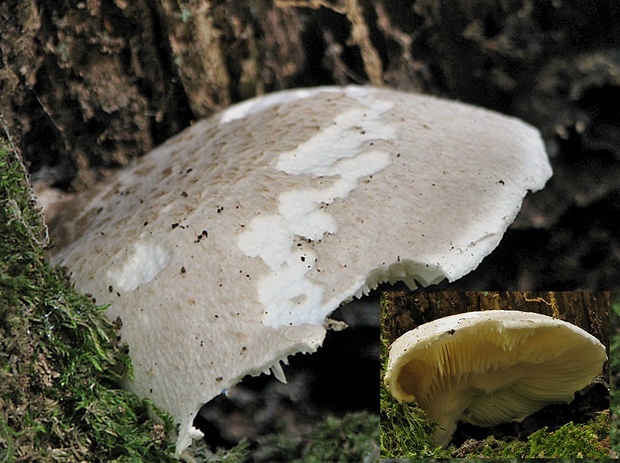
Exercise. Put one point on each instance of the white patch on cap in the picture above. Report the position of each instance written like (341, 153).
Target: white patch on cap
(339, 155)
(138, 265)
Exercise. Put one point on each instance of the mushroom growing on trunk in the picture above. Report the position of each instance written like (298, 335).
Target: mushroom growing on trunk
(223, 251)
(491, 367)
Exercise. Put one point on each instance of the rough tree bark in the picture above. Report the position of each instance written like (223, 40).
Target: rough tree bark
(404, 311)
(87, 86)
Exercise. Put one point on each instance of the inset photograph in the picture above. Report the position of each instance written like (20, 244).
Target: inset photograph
(495, 374)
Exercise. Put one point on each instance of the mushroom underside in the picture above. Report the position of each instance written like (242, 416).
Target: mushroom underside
(492, 373)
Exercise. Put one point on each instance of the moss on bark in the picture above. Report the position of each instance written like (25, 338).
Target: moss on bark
(60, 368)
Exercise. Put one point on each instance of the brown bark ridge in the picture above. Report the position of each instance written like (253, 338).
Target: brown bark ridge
(89, 86)
(403, 311)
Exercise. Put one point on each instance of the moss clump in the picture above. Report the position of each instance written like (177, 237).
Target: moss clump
(60, 370)
(353, 438)
(406, 431)
(589, 440)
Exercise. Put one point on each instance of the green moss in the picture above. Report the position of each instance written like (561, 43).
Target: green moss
(406, 431)
(350, 439)
(60, 370)
(589, 440)
(200, 452)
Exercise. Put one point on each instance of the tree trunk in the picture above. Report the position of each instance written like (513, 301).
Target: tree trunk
(404, 311)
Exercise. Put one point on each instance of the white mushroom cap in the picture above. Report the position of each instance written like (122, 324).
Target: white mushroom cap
(491, 367)
(223, 250)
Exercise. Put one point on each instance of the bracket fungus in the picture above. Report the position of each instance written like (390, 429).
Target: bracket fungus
(224, 250)
(491, 367)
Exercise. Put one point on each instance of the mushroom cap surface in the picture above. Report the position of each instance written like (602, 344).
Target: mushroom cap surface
(491, 367)
(223, 250)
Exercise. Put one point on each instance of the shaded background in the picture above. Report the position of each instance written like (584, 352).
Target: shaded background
(85, 87)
